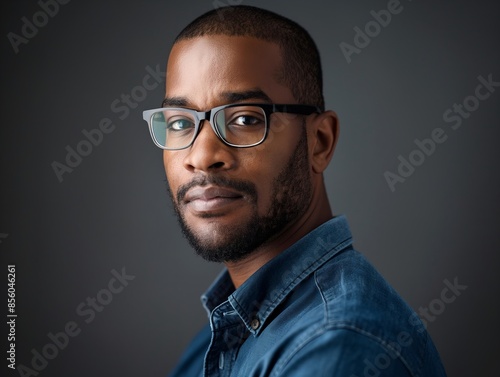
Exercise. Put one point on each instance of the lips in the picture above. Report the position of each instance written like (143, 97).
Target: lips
(211, 198)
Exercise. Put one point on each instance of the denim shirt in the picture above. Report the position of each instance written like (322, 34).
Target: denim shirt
(317, 309)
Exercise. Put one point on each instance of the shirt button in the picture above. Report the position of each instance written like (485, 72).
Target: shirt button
(255, 324)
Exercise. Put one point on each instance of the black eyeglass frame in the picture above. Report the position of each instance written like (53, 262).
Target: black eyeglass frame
(209, 115)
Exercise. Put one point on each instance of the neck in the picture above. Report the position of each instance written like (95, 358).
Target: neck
(317, 213)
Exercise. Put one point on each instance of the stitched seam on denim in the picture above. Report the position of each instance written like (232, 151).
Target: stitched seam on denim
(236, 305)
(325, 302)
(330, 254)
(382, 342)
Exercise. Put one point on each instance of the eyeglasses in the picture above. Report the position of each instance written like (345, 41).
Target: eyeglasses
(237, 125)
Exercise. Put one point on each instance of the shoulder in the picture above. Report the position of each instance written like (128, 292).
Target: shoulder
(355, 293)
(365, 325)
(334, 351)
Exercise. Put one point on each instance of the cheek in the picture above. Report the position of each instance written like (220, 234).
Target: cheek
(169, 163)
(264, 167)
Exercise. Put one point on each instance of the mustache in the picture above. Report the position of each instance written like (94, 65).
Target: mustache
(244, 187)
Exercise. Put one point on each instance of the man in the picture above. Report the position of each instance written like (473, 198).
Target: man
(246, 140)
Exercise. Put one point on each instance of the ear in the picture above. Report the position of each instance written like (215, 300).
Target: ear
(323, 137)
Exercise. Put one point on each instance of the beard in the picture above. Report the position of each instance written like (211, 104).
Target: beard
(290, 198)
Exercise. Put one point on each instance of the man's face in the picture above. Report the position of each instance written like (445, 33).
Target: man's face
(232, 200)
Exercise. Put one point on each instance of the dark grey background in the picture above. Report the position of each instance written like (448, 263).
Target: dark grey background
(112, 211)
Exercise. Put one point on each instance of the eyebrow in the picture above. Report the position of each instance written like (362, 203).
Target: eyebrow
(229, 97)
(174, 102)
(256, 94)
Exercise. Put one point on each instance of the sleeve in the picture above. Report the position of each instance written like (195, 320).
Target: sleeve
(341, 353)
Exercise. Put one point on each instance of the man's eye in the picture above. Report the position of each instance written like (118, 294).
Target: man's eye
(180, 125)
(246, 120)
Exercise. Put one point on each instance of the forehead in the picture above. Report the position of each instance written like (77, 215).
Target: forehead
(202, 69)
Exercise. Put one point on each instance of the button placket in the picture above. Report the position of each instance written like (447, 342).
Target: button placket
(228, 334)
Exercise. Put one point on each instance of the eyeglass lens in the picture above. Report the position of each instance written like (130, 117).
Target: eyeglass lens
(237, 125)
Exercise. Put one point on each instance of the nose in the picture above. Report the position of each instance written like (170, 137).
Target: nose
(208, 153)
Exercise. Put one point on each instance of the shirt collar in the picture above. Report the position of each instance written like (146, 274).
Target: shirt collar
(259, 295)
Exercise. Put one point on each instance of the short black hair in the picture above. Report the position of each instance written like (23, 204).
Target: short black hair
(301, 70)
